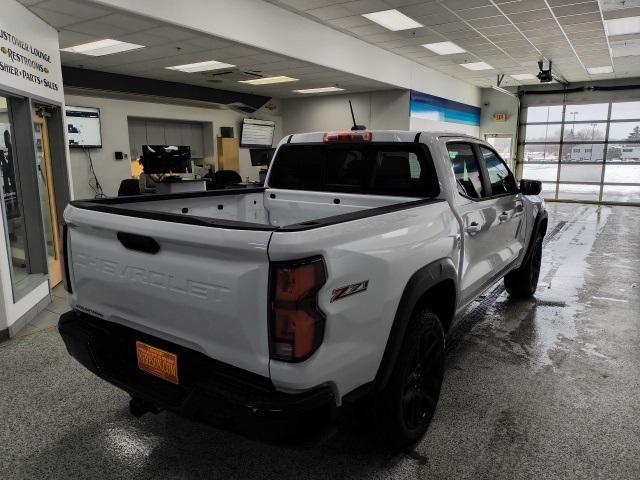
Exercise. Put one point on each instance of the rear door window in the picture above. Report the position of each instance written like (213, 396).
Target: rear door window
(466, 170)
(395, 169)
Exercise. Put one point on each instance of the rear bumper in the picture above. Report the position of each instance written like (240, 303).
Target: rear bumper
(209, 390)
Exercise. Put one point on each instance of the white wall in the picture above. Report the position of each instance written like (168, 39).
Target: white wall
(42, 79)
(115, 137)
(497, 102)
(385, 110)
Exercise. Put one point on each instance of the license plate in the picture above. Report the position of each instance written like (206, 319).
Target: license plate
(157, 362)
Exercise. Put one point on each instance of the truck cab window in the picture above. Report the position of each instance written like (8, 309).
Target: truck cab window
(501, 179)
(374, 169)
(466, 170)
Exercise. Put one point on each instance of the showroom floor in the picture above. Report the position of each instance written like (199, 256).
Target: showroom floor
(547, 388)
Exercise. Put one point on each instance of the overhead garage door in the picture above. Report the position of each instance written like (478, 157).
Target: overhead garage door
(584, 152)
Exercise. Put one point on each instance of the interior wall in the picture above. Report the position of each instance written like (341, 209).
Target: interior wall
(494, 102)
(114, 115)
(383, 110)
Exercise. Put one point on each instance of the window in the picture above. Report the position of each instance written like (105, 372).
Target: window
(501, 179)
(466, 170)
(597, 156)
(377, 169)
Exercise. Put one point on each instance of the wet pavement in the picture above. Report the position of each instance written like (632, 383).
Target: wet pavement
(546, 388)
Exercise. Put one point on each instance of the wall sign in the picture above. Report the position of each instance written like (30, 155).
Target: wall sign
(440, 109)
(29, 56)
(500, 117)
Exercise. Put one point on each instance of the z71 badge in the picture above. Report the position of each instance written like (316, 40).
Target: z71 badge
(349, 290)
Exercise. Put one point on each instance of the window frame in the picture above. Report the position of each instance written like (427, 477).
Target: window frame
(482, 168)
(483, 179)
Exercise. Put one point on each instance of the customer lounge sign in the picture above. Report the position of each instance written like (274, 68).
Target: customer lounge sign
(29, 54)
(21, 59)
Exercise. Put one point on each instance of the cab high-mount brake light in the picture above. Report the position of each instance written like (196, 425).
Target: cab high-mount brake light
(347, 137)
(296, 323)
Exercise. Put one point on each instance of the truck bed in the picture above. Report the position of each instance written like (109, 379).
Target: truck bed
(252, 208)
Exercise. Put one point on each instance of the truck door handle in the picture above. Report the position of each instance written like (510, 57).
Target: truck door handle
(140, 243)
(473, 228)
(503, 217)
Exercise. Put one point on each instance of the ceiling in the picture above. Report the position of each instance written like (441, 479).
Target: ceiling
(166, 45)
(509, 35)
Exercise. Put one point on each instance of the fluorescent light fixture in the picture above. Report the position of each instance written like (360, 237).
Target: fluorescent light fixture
(320, 90)
(502, 90)
(622, 26)
(102, 47)
(444, 48)
(269, 80)
(477, 66)
(597, 70)
(201, 66)
(523, 76)
(392, 20)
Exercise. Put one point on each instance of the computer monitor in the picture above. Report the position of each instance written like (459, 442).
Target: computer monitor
(166, 159)
(261, 157)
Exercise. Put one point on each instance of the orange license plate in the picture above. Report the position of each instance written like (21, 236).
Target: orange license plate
(157, 362)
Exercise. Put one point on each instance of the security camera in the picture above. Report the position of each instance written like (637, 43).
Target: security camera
(544, 76)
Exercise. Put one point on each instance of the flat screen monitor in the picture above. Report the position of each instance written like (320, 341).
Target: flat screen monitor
(257, 133)
(261, 157)
(166, 159)
(83, 127)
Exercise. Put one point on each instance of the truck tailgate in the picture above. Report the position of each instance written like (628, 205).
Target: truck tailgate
(205, 288)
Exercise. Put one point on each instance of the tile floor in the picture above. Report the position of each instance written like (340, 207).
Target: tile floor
(48, 318)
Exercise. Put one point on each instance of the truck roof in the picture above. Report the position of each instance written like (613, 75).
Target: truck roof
(378, 136)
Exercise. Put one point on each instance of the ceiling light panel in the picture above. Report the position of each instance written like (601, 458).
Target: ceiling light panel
(320, 90)
(477, 66)
(392, 20)
(99, 48)
(523, 76)
(622, 26)
(599, 70)
(201, 66)
(444, 48)
(269, 80)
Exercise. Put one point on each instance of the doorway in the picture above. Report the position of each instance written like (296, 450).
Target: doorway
(502, 143)
(44, 171)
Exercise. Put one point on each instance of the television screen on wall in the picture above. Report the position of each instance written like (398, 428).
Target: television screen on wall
(83, 127)
(257, 133)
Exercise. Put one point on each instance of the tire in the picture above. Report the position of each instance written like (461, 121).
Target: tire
(407, 403)
(523, 282)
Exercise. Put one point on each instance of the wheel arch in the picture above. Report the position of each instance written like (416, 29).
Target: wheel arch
(436, 285)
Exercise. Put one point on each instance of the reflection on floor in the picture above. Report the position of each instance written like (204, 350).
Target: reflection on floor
(48, 318)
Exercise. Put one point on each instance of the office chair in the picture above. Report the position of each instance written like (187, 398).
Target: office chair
(227, 177)
(129, 186)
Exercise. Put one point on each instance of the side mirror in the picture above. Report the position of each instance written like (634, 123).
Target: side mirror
(530, 187)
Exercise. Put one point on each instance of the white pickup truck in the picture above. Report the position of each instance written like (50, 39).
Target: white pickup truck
(335, 282)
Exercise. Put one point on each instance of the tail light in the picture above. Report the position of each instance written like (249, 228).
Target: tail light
(66, 279)
(296, 322)
(356, 136)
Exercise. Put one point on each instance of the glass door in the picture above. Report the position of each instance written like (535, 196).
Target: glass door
(46, 192)
(502, 143)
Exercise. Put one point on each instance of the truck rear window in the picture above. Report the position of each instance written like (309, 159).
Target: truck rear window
(375, 168)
